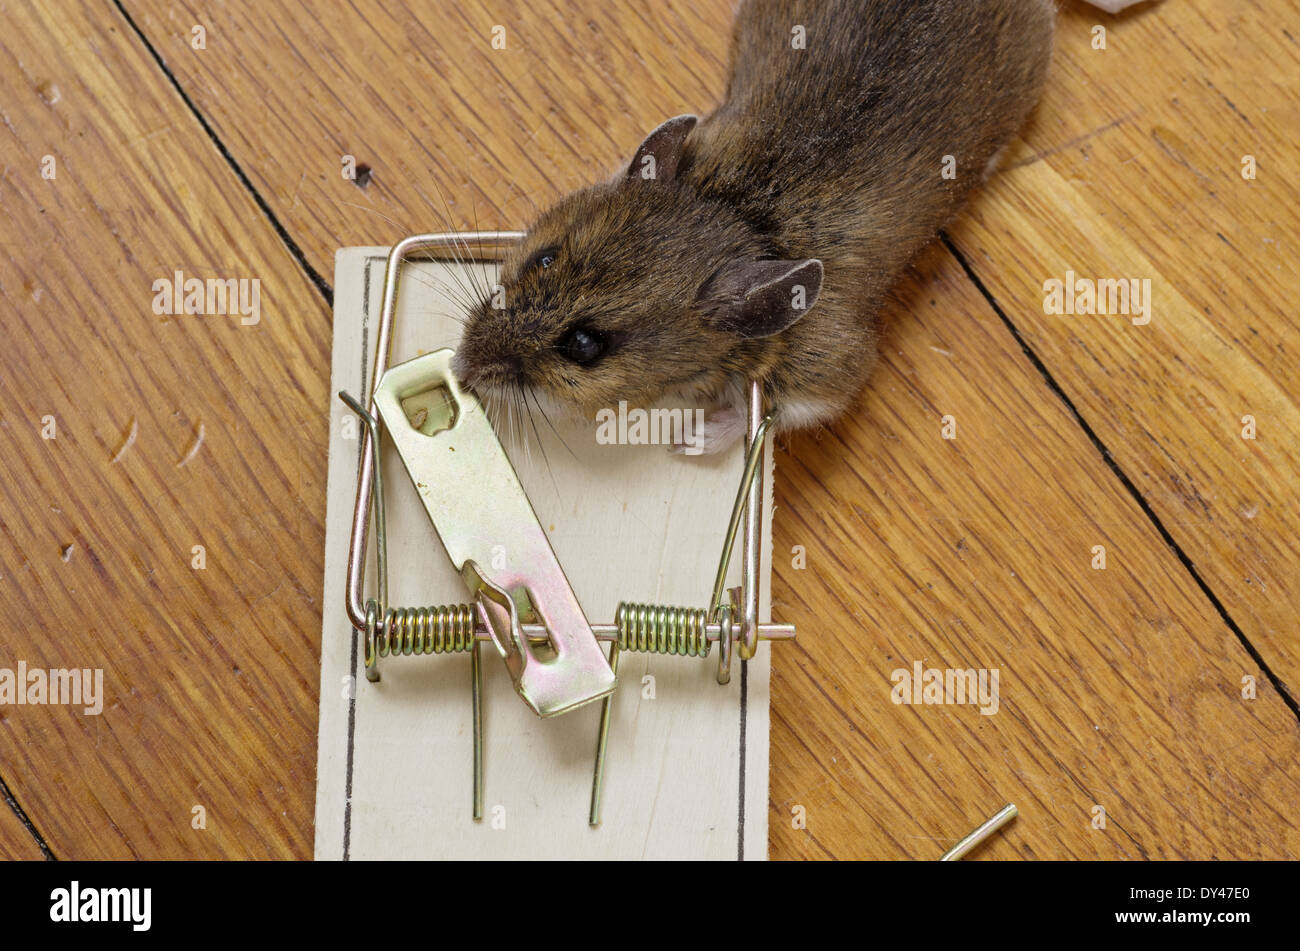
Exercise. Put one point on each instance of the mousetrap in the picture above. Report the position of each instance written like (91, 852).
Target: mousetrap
(462, 569)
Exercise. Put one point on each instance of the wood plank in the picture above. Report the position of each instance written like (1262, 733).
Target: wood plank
(1119, 687)
(1101, 704)
(455, 133)
(1133, 169)
(172, 432)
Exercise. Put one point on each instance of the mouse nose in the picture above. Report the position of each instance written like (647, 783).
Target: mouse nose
(498, 370)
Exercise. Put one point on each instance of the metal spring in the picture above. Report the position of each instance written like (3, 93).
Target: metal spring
(444, 629)
(661, 629)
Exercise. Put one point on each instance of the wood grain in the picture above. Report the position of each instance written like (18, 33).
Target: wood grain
(456, 133)
(1121, 687)
(210, 675)
(1133, 169)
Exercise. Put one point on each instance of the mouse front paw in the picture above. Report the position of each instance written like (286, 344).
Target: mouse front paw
(719, 432)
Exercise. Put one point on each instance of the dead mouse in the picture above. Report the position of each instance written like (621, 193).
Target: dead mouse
(761, 241)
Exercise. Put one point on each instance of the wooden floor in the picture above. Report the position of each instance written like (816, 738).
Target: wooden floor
(1121, 689)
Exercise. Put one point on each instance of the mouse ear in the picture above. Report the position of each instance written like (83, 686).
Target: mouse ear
(760, 298)
(659, 154)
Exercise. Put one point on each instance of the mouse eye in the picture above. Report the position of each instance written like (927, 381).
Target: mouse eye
(584, 347)
(539, 260)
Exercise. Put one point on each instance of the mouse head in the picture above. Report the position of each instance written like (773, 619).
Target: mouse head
(631, 288)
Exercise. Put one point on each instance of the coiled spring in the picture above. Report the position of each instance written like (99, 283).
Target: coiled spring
(445, 629)
(660, 629)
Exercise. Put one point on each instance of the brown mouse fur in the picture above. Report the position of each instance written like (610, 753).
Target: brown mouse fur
(761, 242)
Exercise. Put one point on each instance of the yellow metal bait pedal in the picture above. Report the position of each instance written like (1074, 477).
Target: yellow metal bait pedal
(478, 507)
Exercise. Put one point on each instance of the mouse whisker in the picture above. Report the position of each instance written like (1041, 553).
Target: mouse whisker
(483, 264)
(465, 261)
(449, 225)
(545, 416)
(467, 301)
(516, 190)
(483, 268)
(523, 394)
(451, 290)
(374, 211)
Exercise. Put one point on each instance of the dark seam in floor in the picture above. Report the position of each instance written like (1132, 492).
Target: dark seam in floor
(18, 811)
(321, 284)
(1109, 459)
